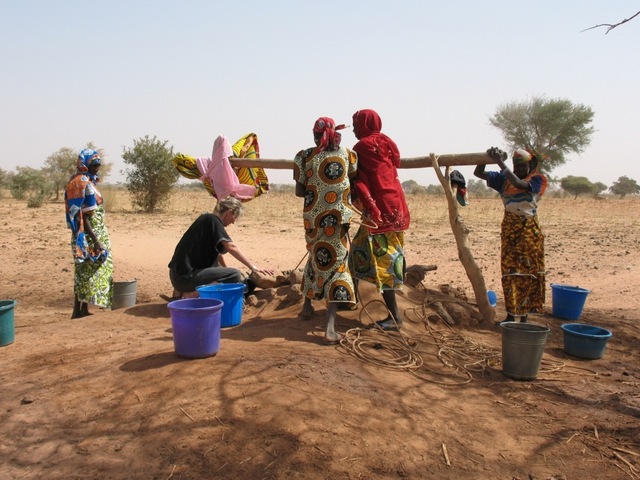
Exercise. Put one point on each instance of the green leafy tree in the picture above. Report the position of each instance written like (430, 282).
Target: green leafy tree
(409, 186)
(152, 174)
(577, 185)
(625, 186)
(105, 166)
(59, 166)
(31, 184)
(598, 188)
(5, 178)
(554, 127)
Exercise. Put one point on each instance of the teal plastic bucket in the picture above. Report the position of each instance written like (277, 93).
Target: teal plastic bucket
(7, 323)
(232, 294)
(196, 326)
(585, 341)
(522, 349)
(568, 301)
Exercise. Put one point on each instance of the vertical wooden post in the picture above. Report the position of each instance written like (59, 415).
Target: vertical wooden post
(461, 232)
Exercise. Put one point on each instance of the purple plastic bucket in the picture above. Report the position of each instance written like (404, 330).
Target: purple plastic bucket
(232, 294)
(196, 326)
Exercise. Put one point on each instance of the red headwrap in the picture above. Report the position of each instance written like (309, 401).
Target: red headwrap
(330, 139)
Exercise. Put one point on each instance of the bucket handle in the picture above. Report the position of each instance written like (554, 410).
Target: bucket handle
(572, 286)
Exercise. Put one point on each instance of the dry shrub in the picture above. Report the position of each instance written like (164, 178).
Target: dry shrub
(116, 199)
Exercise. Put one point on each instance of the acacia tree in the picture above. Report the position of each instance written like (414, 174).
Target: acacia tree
(152, 174)
(554, 127)
(577, 185)
(598, 188)
(4, 178)
(31, 184)
(409, 186)
(625, 186)
(59, 166)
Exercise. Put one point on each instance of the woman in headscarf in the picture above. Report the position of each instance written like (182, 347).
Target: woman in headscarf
(93, 266)
(377, 250)
(522, 241)
(322, 174)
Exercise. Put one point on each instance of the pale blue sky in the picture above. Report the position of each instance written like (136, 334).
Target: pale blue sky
(186, 71)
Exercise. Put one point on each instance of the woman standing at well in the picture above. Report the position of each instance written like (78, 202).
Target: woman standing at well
(377, 249)
(93, 266)
(522, 241)
(322, 174)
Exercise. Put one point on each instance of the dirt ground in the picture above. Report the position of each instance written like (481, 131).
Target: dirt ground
(106, 397)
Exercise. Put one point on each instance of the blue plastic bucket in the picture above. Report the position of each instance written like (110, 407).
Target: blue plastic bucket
(7, 324)
(196, 326)
(232, 294)
(585, 341)
(568, 301)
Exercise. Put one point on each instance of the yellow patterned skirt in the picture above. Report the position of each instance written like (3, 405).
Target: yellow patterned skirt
(378, 258)
(522, 264)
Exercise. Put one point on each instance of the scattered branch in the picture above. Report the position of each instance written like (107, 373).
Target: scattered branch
(446, 455)
(183, 411)
(611, 26)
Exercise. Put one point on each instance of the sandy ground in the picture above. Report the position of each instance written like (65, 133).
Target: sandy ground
(106, 396)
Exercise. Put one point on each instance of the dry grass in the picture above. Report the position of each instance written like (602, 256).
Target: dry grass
(426, 210)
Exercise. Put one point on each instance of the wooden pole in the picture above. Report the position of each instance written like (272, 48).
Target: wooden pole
(458, 227)
(449, 160)
(461, 232)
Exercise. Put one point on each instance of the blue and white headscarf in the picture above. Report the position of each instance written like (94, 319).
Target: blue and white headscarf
(87, 158)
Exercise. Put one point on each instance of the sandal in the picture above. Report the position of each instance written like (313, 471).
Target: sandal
(167, 298)
(388, 325)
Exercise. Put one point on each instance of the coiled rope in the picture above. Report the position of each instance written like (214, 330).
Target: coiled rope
(440, 356)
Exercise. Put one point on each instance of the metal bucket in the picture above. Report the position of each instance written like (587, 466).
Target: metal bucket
(522, 349)
(124, 294)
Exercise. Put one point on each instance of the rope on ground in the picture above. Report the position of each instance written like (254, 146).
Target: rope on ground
(457, 357)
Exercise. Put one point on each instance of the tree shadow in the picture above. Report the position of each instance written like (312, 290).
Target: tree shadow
(151, 362)
(149, 310)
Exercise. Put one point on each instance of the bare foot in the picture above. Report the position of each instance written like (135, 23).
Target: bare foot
(332, 338)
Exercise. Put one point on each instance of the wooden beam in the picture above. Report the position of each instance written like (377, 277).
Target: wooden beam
(448, 160)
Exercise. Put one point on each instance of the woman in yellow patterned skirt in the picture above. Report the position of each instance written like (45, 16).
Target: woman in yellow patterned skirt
(522, 241)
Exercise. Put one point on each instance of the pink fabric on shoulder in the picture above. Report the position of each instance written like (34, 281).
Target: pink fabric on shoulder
(220, 174)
